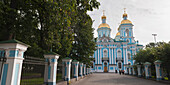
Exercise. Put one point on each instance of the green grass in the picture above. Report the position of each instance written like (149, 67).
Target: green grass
(34, 81)
(59, 77)
(31, 74)
(153, 76)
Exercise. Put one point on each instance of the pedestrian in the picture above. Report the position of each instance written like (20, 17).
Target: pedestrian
(123, 72)
(120, 72)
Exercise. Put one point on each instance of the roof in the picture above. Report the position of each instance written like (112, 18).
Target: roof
(14, 41)
(75, 61)
(51, 53)
(147, 63)
(158, 61)
(67, 58)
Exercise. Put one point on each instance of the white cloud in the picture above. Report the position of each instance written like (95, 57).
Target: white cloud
(148, 16)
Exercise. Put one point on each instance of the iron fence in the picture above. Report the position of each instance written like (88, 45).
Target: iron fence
(32, 71)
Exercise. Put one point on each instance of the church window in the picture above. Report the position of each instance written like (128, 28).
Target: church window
(127, 32)
(105, 53)
(119, 55)
(118, 45)
(127, 40)
(129, 56)
(105, 40)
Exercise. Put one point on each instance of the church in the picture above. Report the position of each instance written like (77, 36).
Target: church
(114, 54)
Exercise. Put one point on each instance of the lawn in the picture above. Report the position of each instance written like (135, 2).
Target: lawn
(33, 81)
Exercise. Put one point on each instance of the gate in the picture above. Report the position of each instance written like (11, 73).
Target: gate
(32, 71)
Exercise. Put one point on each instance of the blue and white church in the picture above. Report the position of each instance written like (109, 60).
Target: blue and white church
(114, 54)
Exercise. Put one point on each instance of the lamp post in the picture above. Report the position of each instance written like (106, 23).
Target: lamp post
(154, 37)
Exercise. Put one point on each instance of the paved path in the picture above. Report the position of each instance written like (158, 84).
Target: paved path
(115, 79)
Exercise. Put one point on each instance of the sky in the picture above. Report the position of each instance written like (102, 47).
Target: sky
(148, 17)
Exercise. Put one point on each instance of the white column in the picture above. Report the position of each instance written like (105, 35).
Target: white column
(112, 55)
(52, 68)
(134, 73)
(84, 69)
(130, 71)
(115, 55)
(109, 57)
(147, 71)
(98, 56)
(139, 71)
(158, 70)
(75, 63)
(14, 51)
(67, 62)
(81, 70)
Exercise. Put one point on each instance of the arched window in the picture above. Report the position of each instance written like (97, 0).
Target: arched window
(127, 32)
(119, 55)
(129, 56)
(105, 53)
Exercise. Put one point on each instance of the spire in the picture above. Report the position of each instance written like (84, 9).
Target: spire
(124, 15)
(103, 17)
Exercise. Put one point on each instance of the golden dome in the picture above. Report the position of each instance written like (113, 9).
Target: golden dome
(103, 17)
(126, 21)
(104, 25)
(118, 34)
(124, 15)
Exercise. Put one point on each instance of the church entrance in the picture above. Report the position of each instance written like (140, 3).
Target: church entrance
(105, 67)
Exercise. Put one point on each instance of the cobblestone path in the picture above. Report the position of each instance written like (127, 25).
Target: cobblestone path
(115, 79)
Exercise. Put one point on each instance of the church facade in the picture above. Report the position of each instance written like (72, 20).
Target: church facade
(114, 54)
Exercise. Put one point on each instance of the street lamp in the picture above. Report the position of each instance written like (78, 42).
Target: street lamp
(154, 37)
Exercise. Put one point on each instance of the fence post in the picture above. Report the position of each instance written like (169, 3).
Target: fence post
(130, 70)
(76, 64)
(133, 68)
(84, 69)
(158, 70)
(81, 70)
(139, 70)
(11, 68)
(147, 70)
(67, 61)
(51, 59)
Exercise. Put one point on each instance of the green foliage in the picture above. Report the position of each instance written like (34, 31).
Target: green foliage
(50, 24)
(153, 52)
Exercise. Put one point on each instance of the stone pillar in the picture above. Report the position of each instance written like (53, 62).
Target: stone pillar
(81, 70)
(67, 69)
(88, 71)
(139, 70)
(133, 68)
(147, 70)
(75, 64)
(130, 70)
(84, 70)
(13, 52)
(158, 70)
(51, 59)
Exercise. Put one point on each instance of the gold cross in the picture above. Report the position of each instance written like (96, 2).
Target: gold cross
(103, 12)
(124, 10)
